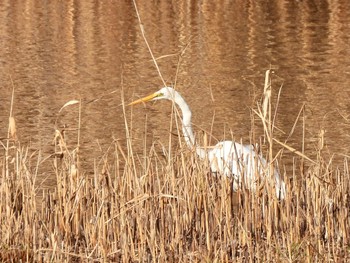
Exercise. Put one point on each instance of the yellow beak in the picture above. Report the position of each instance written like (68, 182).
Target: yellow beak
(145, 99)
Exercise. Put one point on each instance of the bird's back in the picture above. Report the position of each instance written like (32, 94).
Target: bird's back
(244, 164)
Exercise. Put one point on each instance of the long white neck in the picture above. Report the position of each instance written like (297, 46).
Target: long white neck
(187, 125)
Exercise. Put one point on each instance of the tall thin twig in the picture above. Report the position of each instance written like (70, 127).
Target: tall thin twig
(148, 46)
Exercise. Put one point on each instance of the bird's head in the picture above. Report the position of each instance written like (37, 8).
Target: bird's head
(166, 93)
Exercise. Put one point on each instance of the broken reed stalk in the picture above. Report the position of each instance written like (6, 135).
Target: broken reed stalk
(163, 204)
(147, 44)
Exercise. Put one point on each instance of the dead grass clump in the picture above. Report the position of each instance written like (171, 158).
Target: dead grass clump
(172, 211)
(165, 205)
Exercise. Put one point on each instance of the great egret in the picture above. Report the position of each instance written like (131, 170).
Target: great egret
(227, 157)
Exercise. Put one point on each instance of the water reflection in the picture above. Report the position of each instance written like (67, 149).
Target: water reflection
(57, 51)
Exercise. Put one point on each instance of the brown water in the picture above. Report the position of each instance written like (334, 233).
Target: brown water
(56, 51)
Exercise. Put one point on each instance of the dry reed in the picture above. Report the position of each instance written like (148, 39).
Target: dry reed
(163, 205)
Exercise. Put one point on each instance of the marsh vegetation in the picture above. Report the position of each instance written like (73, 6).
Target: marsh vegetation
(163, 205)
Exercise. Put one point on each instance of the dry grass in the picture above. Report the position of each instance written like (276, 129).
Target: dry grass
(164, 206)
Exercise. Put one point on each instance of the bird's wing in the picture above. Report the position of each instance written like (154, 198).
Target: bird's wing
(234, 159)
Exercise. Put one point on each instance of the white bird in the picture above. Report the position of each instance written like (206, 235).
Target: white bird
(227, 157)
